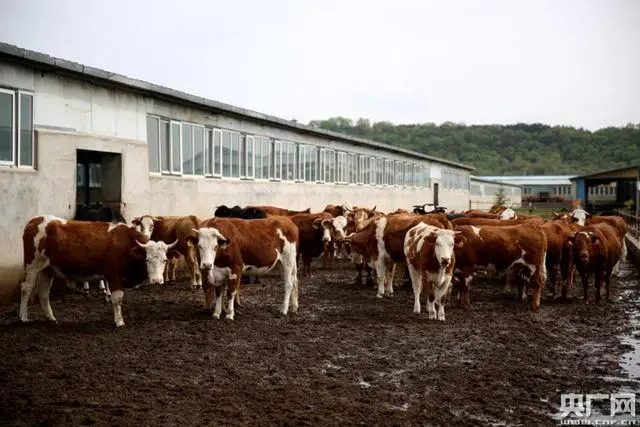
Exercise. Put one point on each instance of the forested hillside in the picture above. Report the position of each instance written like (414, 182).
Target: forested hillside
(506, 150)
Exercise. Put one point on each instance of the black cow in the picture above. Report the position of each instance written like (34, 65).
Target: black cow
(420, 209)
(223, 211)
(105, 213)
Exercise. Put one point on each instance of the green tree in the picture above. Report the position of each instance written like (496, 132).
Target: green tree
(501, 197)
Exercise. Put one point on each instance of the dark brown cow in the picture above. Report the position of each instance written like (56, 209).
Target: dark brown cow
(80, 250)
(169, 228)
(276, 211)
(431, 260)
(338, 210)
(313, 235)
(230, 247)
(474, 213)
(596, 250)
(518, 249)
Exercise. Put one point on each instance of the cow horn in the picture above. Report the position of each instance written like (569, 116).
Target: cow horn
(173, 244)
(142, 245)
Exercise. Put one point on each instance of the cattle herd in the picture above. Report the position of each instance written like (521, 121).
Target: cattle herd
(438, 251)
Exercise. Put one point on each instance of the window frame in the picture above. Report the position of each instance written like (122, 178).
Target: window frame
(342, 168)
(18, 143)
(276, 167)
(171, 123)
(247, 139)
(14, 160)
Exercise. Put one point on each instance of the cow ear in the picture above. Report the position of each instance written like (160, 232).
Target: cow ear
(138, 252)
(574, 219)
(588, 215)
(572, 237)
(316, 223)
(191, 240)
(135, 221)
(325, 222)
(223, 243)
(460, 240)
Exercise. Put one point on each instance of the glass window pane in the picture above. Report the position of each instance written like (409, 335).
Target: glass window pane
(249, 155)
(277, 159)
(226, 153)
(208, 150)
(198, 150)
(217, 150)
(176, 158)
(165, 146)
(26, 130)
(79, 175)
(235, 155)
(95, 175)
(6, 127)
(187, 149)
(153, 143)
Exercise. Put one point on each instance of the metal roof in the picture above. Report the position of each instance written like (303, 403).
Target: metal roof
(493, 181)
(631, 166)
(533, 179)
(43, 61)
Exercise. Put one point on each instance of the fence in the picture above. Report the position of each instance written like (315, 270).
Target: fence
(633, 222)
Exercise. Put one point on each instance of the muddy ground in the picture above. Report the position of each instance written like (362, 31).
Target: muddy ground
(346, 358)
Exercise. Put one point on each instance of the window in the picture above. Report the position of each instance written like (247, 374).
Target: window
(352, 168)
(165, 146)
(363, 176)
(249, 156)
(342, 170)
(153, 143)
(262, 147)
(216, 153)
(380, 171)
(176, 147)
(388, 172)
(277, 160)
(307, 158)
(372, 170)
(326, 165)
(208, 152)
(288, 160)
(187, 149)
(399, 176)
(198, 150)
(231, 154)
(16, 133)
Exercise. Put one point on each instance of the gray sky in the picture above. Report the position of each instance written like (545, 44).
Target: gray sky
(574, 62)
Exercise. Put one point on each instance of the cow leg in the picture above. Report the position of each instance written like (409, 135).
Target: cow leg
(44, 288)
(441, 292)
(585, 284)
(219, 291)
(85, 288)
(359, 268)
(26, 288)
(194, 271)
(431, 296)
(294, 291)
(107, 292)
(416, 281)
(116, 299)
(599, 276)
(306, 265)
(381, 271)
(208, 288)
(390, 274)
(465, 288)
(232, 285)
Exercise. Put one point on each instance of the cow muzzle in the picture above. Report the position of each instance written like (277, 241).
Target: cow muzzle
(445, 261)
(584, 257)
(156, 280)
(206, 266)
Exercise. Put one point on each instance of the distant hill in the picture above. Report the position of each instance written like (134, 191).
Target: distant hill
(520, 149)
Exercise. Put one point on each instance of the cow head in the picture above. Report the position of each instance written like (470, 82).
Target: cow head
(336, 227)
(580, 216)
(209, 241)
(508, 213)
(444, 241)
(326, 232)
(145, 224)
(156, 255)
(584, 243)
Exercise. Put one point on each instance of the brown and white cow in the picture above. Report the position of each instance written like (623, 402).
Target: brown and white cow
(276, 211)
(169, 228)
(335, 247)
(479, 222)
(430, 256)
(313, 235)
(596, 250)
(338, 210)
(82, 250)
(381, 243)
(520, 250)
(230, 247)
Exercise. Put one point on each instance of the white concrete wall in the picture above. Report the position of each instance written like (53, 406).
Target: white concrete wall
(71, 114)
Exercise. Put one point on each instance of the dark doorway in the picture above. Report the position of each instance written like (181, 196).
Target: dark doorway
(436, 187)
(99, 179)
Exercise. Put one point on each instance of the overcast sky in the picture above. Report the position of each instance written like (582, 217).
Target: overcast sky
(574, 62)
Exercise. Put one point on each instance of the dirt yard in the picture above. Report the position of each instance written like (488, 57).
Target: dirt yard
(346, 358)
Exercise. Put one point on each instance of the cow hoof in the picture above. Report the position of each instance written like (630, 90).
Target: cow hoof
(379, 295)
(229, 317)
(196, 287)
(25, 320)
(216, 316)
(119, 324)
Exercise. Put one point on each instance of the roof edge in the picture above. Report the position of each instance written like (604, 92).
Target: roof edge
(74, 68)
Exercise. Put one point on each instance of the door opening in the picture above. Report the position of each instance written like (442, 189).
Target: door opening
(99, 179)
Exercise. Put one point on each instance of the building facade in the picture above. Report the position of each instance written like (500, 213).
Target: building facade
(540, 188)
(72, 134)
(483, 193)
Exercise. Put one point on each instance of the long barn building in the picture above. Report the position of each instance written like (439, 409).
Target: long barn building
(72, 134)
